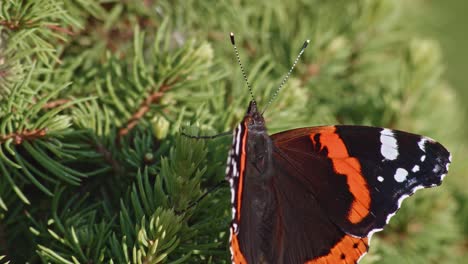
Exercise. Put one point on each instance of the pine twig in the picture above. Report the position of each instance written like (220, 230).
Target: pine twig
(61, 30)
(11, 25)
(20, 137)
(55, 103)
(15, 24)
(107, 155)
(153, 98)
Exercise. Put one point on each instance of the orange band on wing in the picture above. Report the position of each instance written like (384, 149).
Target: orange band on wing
(241, 175)
(350, 167)
(237, 256)
(348, 250)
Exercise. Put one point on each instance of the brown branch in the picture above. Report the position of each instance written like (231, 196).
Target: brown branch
(153, 98)
(61, 30)
(56, 103)
(17, 24)
(11, 25)
(24, 135)
(107, 155)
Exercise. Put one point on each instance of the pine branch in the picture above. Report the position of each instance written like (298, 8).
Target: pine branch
(153, 98)
(107, 155)
(13, 25)
(61, 30)
(55, 103)
(24, 135)
(33, 27)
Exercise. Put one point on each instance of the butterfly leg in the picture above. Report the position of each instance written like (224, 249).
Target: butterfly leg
(207, 137)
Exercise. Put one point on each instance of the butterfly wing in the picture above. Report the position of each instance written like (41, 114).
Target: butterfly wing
(315, 195)
(359, 175)
(303, 232)
(276, 219)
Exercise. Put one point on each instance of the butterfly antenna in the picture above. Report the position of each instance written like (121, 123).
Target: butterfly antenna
(233, 42)
(304, 46)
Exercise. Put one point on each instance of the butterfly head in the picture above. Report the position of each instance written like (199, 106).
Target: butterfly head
(253, 118)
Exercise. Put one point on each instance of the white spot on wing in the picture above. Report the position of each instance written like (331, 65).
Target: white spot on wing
(442, 177)
(400, 175)
(234, 169)
(407, 195)
(403, 197)
(400, 200)
(233, 197)
(417, 188)
(389, 147)
(359, 259)
(230, 248)
(423, 158)
(422, 144)
(415, 168)
(371, 233)
(380, 178)
(238, 139)
(389, 217)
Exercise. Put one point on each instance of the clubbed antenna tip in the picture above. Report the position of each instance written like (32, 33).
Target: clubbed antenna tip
(303, 46)
(231, 35)
(232, 38)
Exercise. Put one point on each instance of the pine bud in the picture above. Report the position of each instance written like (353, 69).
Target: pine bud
(160, 127)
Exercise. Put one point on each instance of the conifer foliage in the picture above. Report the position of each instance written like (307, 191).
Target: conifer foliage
(94, 96)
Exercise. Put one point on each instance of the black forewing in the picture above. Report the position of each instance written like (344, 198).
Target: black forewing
(314, 169)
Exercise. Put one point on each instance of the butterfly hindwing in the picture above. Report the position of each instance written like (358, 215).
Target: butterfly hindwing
(365, 172)
(303, 230)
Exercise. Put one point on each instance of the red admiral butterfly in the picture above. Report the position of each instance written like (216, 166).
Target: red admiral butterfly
(317, 194)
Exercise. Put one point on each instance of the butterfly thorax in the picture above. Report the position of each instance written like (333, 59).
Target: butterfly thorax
(259, 147)
(258, 196)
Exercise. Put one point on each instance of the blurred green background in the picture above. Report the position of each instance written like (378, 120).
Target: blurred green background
(446, 21)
